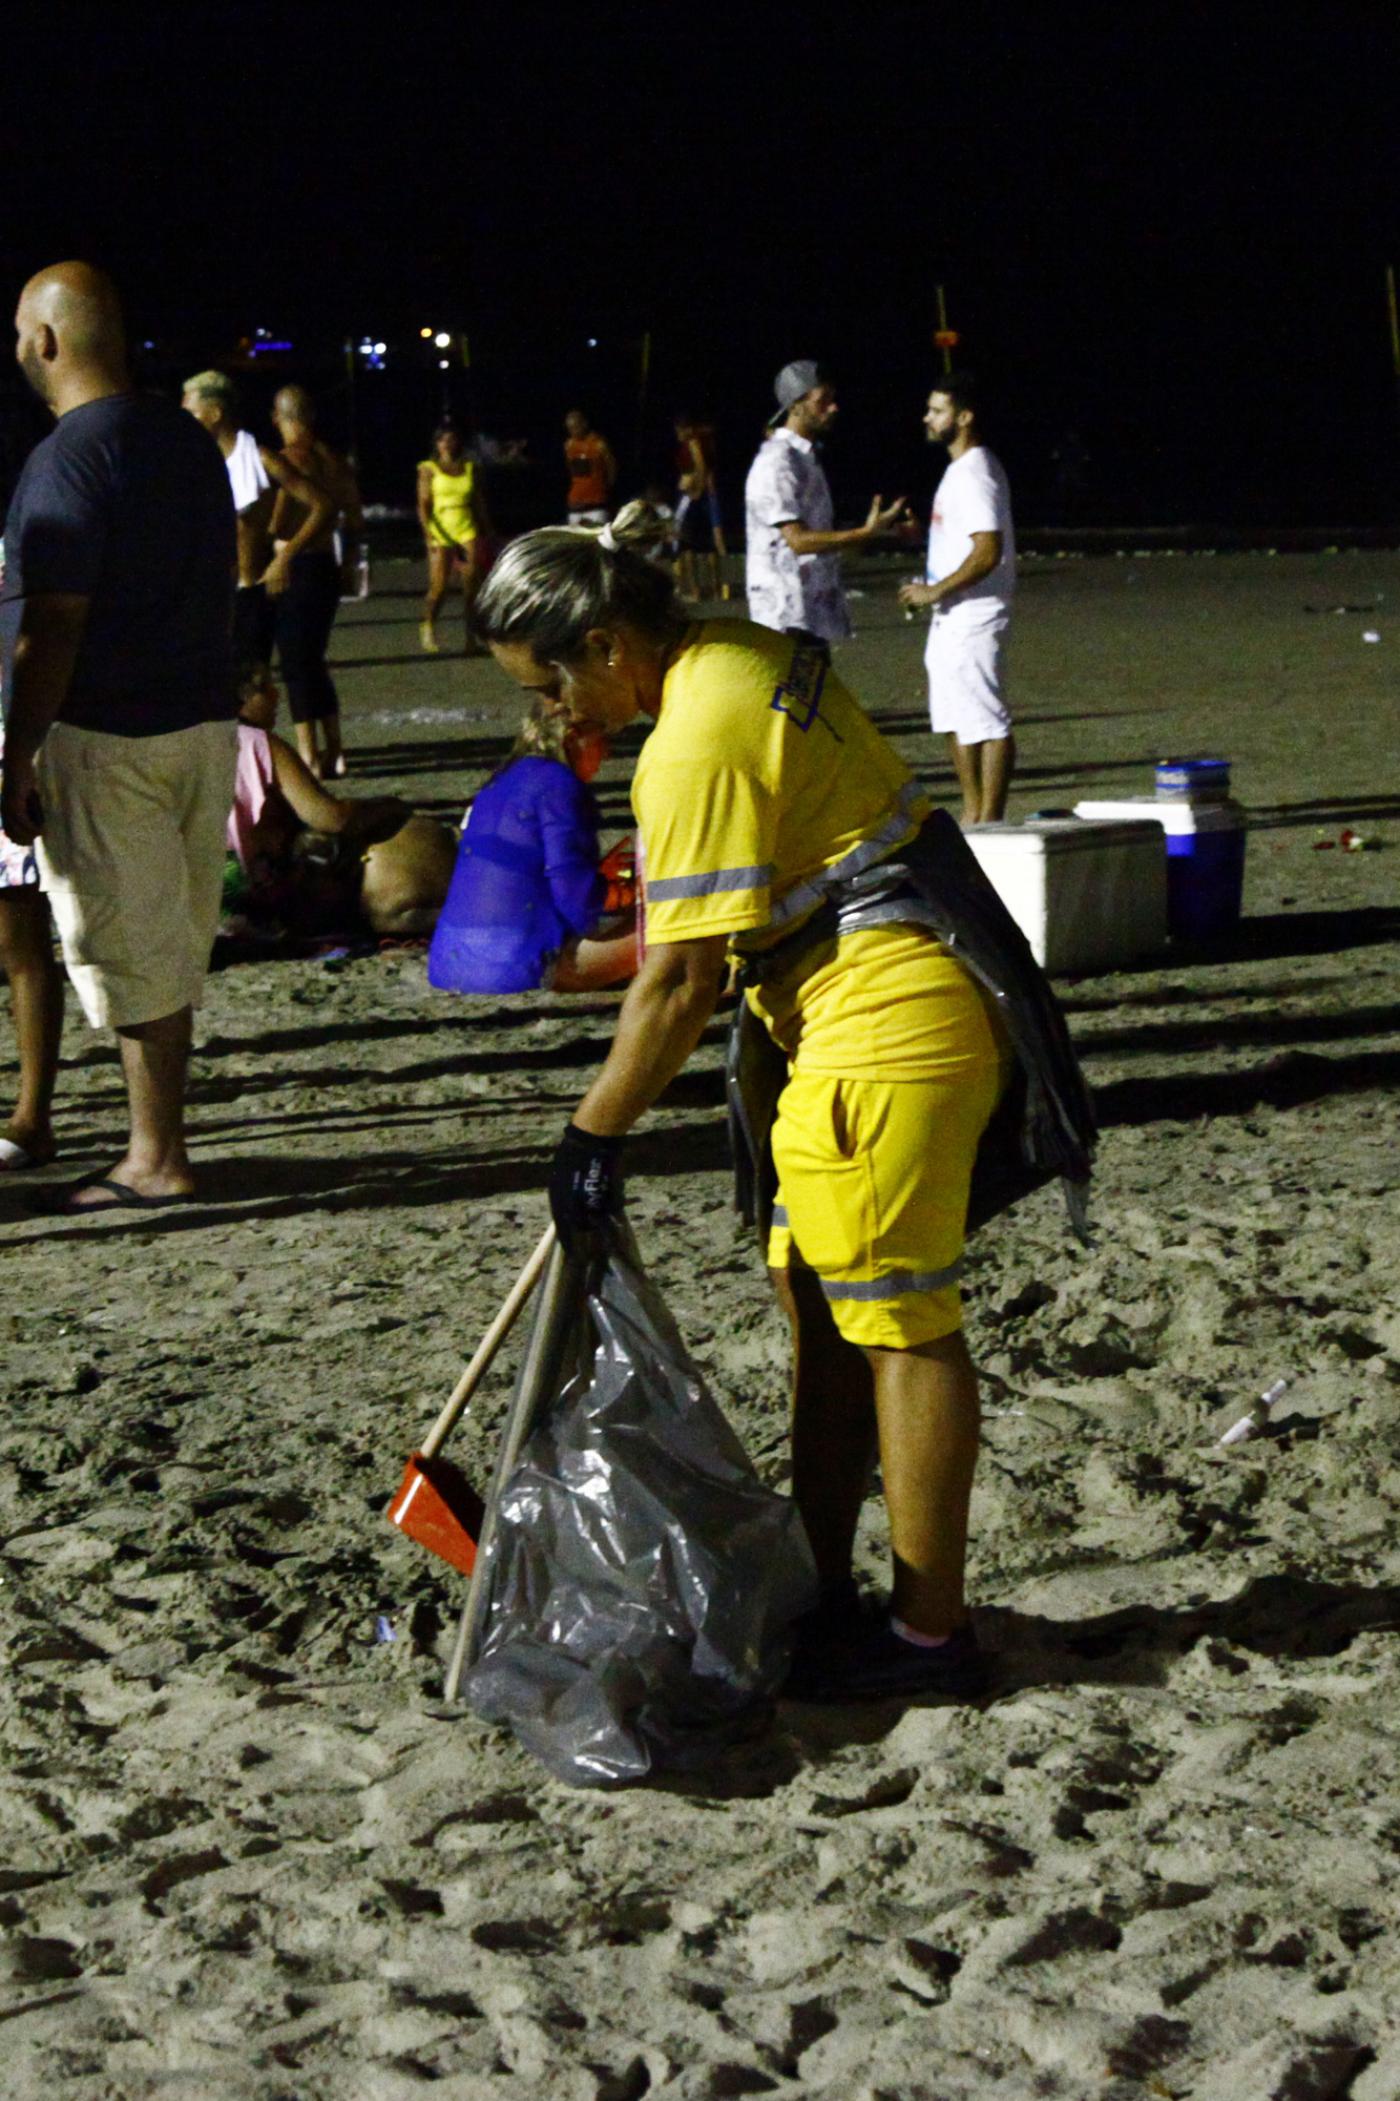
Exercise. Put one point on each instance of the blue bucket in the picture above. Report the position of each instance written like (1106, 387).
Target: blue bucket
(1193, 780)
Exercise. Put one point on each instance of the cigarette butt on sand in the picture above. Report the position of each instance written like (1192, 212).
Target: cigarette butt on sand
(1258, 1417)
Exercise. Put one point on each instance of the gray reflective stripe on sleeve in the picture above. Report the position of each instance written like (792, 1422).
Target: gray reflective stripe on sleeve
(893, 1286)
(780, 1217)
(715, 883)
(807, 896)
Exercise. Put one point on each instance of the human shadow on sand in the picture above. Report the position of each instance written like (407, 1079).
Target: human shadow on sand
(444, 755)
(898, 722)
(580, 1051)
(383, 1085)
(1208, 1033)
(1269, 937)
(1159, 996)
(1285, 1082)
(399, 661)
(265, 1186)
(1275, 934)
(379, 1088)
(1327, 811)
(466, 1014)
(701, 1090)
(1279, 1615)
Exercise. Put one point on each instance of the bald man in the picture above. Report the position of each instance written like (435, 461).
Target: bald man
(115, 617)
(306, 578)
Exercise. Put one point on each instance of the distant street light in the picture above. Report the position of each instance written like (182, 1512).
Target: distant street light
(442, 339)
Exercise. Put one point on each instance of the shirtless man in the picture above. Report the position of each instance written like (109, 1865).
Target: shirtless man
(255, 475)
(305, 579)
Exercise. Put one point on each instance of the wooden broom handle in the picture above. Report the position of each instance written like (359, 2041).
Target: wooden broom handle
(490, 1342)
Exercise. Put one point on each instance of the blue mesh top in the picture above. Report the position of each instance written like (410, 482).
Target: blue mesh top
(526, 879)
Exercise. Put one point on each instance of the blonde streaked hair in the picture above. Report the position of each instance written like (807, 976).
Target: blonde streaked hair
(550, 587)
(213, 386)
(544, 734)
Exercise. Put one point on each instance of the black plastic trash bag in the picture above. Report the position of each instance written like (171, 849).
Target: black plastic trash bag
(642, 1578)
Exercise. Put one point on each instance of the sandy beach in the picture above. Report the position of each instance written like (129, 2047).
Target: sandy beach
(249, 1853)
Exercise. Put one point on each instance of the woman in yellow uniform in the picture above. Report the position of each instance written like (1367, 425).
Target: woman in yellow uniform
(765, 797)
(452, 513)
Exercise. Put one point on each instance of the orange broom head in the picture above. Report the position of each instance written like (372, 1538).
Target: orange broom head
(437, 1506)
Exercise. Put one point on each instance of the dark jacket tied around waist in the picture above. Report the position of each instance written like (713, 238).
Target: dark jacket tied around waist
(1044, 1126)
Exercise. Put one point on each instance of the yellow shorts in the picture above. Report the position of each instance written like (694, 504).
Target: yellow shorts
(873, 1184)
(132, 853)
(438, 536)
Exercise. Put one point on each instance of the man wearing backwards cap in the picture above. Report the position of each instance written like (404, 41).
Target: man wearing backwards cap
(792, 570)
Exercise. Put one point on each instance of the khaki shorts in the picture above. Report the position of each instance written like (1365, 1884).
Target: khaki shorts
(132, 857)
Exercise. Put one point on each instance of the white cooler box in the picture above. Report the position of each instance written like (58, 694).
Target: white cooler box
(1086, 896)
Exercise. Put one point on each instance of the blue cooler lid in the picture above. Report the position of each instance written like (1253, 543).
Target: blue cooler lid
(1193, 780)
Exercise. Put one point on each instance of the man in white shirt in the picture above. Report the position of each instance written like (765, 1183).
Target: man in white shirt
(971, 577)
(792, 570)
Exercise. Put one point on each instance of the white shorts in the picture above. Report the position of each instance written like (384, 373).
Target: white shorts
(132, 855)
(965, 670)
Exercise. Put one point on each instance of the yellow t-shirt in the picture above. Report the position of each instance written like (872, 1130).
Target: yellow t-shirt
(454, 518)
(762, 773)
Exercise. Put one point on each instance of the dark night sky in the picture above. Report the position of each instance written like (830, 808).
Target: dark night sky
(1165, 226)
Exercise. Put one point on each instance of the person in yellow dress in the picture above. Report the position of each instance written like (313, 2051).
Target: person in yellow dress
(452, 512)
(763, 791)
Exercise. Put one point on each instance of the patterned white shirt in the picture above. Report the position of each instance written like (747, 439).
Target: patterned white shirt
(786, 486)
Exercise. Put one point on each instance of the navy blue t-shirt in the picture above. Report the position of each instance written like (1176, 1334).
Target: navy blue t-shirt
(126, 503)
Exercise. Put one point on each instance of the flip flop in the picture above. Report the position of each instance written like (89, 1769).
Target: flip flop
(14, 1159)
(60, 1203)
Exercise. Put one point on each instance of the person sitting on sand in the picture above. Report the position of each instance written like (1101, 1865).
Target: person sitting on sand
(304, 859)
(526, 909)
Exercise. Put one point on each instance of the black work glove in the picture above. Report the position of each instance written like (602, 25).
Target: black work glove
(585, 1187)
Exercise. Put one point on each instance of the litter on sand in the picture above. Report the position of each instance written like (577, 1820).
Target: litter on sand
(1257, 1419)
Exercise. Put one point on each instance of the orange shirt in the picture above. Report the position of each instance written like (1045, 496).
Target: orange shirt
(588, 480)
